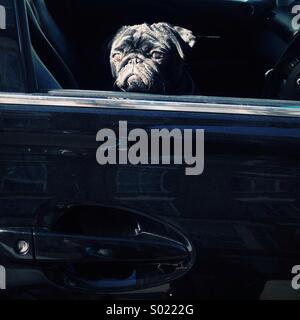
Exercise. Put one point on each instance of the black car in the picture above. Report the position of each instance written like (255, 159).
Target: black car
(71, 228)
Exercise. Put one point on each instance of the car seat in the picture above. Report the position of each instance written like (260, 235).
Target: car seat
(50, 46)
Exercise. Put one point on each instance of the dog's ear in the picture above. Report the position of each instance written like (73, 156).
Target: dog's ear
(107, 46)
(106, 49)
(109, 42)
(186, 35)
(182, 38)
(185, 40)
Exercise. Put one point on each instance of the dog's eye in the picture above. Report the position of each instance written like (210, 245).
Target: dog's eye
(117, 57)
(157, 55)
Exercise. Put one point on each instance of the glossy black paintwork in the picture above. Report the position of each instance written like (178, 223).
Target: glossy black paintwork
(242, 215)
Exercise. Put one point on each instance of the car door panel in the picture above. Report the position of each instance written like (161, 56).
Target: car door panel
(241, 215)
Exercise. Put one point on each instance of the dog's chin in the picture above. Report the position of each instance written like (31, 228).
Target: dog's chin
(134, 83)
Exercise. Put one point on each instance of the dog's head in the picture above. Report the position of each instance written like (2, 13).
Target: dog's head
(147, 58)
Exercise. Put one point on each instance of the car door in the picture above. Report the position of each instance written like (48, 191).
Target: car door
(74, 228)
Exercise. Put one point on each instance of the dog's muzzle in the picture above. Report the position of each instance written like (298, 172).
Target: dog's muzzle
(138, 76)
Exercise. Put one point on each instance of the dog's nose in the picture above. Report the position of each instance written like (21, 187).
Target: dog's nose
(135, 60)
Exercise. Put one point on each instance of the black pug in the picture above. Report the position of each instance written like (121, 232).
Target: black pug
(151, 59)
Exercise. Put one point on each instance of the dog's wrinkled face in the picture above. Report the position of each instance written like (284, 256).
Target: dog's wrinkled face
(147, 58)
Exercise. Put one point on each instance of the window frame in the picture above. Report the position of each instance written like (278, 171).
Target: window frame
(113, 100)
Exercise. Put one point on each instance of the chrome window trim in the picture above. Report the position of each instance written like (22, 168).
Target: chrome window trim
(152, 105)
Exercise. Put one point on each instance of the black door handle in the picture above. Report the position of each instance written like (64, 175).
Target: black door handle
(144, 247)
(97, 249)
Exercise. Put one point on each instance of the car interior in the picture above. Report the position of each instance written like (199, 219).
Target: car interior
(238, 42)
